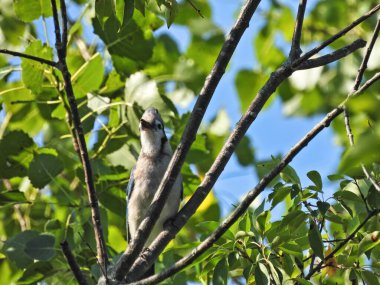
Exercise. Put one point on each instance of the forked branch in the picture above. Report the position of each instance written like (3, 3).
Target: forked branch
(276, 78)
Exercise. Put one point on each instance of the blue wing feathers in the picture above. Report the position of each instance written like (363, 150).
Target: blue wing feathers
(129, 190)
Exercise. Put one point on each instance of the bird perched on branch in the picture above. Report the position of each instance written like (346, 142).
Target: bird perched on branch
(146, 177)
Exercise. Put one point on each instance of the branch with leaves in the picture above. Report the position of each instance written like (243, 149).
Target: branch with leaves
(61, 48)
(105, 112)
(276, 78)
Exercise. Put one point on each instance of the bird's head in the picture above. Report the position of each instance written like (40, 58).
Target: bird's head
(153, 137)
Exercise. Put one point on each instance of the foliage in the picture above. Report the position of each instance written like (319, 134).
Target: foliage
(134, 63)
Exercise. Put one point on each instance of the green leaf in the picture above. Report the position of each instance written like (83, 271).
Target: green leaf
(373, 198)
(247, 83)
(41, 247)
(33, 71)
(35, 273)
(245, 152)
(124, 11)
(267, 52)
(14, 248)
(16, 152)
(104, 9)
(315, 240)
(294, 219)
(89, 76)
(12, 197)
(220, 274)
(370, 278)
(365, 151)
(130, 41)
(302, 281)
(46, 7)
(261, 274)
(368, 242)
(43, 169)
(316, 178)
(27, 10)
(289, 175)
(323, 207)
(171, 12)
(263, 220)
(139, 88)
(280, 194)
(140, 6)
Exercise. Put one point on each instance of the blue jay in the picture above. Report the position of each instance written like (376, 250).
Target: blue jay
(146, 177)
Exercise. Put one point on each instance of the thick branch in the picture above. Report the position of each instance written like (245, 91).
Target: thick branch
(295, 50)
(276, 78)
(73, 263)
(187, 139)
(91, 192)
(64, 29)
(343, 243)
(31, 57)
(334, 56)
(166, 235)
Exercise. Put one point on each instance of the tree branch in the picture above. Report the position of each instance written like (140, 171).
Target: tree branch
(91, 192)
(367, 54)
(276, 78)
(334, 56)
(317, 49)
(343, 243)
(188, 137)
(73, 263)
(31, 57)
(166, 235)
(359, 77)
(295, 50)
(64, 30)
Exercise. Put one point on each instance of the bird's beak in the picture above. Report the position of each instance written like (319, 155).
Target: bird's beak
(145, 124)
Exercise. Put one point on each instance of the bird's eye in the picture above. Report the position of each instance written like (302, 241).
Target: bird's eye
(159, 126)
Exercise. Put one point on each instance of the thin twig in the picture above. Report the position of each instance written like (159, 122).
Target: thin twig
(343, 243)
(295, 50)
(195, 8)
(188, 137)
(91, 192)
(73, 263)
(165, 236)
(334, 56)
(28, 56)
(367, 55)
(276, 78)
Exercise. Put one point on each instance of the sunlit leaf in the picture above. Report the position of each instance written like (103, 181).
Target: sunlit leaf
(88, 77)
(27, 10)
(368, 242)
(12, 197)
